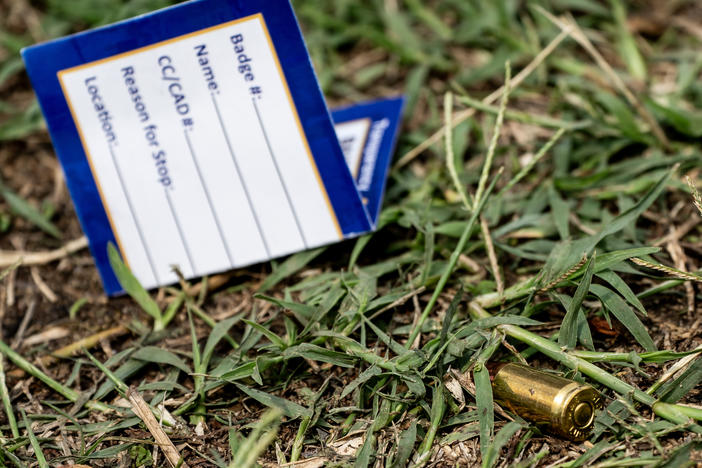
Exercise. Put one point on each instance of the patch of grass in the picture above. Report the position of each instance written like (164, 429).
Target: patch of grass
(566, 185)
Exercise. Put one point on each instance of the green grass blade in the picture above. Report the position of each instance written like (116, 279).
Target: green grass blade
(289, 267)
(121, 386)
(626, 43)
(264, 433)
(21, 208)
(675, 389)
(484, 402)
(453, 260)
(405, 446)
(622, 288)
(438, 408)
(483, 393)
(38, 453)
(161, 356)
(275, 339)
(625, 314)
(289, 409)
(33, 370)
(501, 439)
(7, 402)
(319, 354)
(132, 286)
(220, 330)
(560, 211)
(568, 336)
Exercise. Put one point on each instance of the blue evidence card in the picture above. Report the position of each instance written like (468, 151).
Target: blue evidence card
(197, 137)
(368, 133)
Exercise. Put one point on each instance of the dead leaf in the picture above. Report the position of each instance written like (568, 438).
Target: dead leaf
(349, 445)
(454, 387)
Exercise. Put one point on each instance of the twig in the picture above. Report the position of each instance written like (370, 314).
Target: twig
(47, 335)
(679, 232)
(42, 286)
(397, 303)
(490, 247)
(7, 271)
(26, 319)
(42, 258)
(10, 298)
(212, 283)
(85, 343)
(143, 411)
(464, 115)
(579, 224)
(689, 26)
(524, 117)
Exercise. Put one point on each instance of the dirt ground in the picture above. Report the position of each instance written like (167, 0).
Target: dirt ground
(36, 304)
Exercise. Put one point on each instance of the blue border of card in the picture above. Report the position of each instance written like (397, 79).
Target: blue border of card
(379, 110)
(44, 61)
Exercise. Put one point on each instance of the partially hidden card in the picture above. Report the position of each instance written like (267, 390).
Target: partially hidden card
(197, 137)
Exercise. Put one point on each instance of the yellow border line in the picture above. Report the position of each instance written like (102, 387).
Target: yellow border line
(110, 219)
(162, 43)
(274, 53)
(81, 134)
(301, 130)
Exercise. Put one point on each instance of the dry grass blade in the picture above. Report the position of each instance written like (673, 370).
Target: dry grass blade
(564, 276)
(47, 335)
(490, 247)
(683, 275)
(569, 24)
(142, 410)
(678, 255)
(696, 197)
(84, 343)
(41, 258)
(450, 156)
(10, 269)
(497, 130)
(462, 116)
(676, 368)
(679, 232)
(42, 286)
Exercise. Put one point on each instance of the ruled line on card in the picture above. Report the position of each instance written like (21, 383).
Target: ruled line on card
(241, 178)
(280, 176)
(208, 195)
(186, 247)
(132, 212)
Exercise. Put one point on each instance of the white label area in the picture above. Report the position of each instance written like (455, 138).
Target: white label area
(199, 154)
(352, 137)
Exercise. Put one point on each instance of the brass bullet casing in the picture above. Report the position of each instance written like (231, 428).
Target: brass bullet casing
(560, 406)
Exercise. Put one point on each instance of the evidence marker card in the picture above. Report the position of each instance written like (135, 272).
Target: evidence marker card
(368, 133)
(198, 137)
